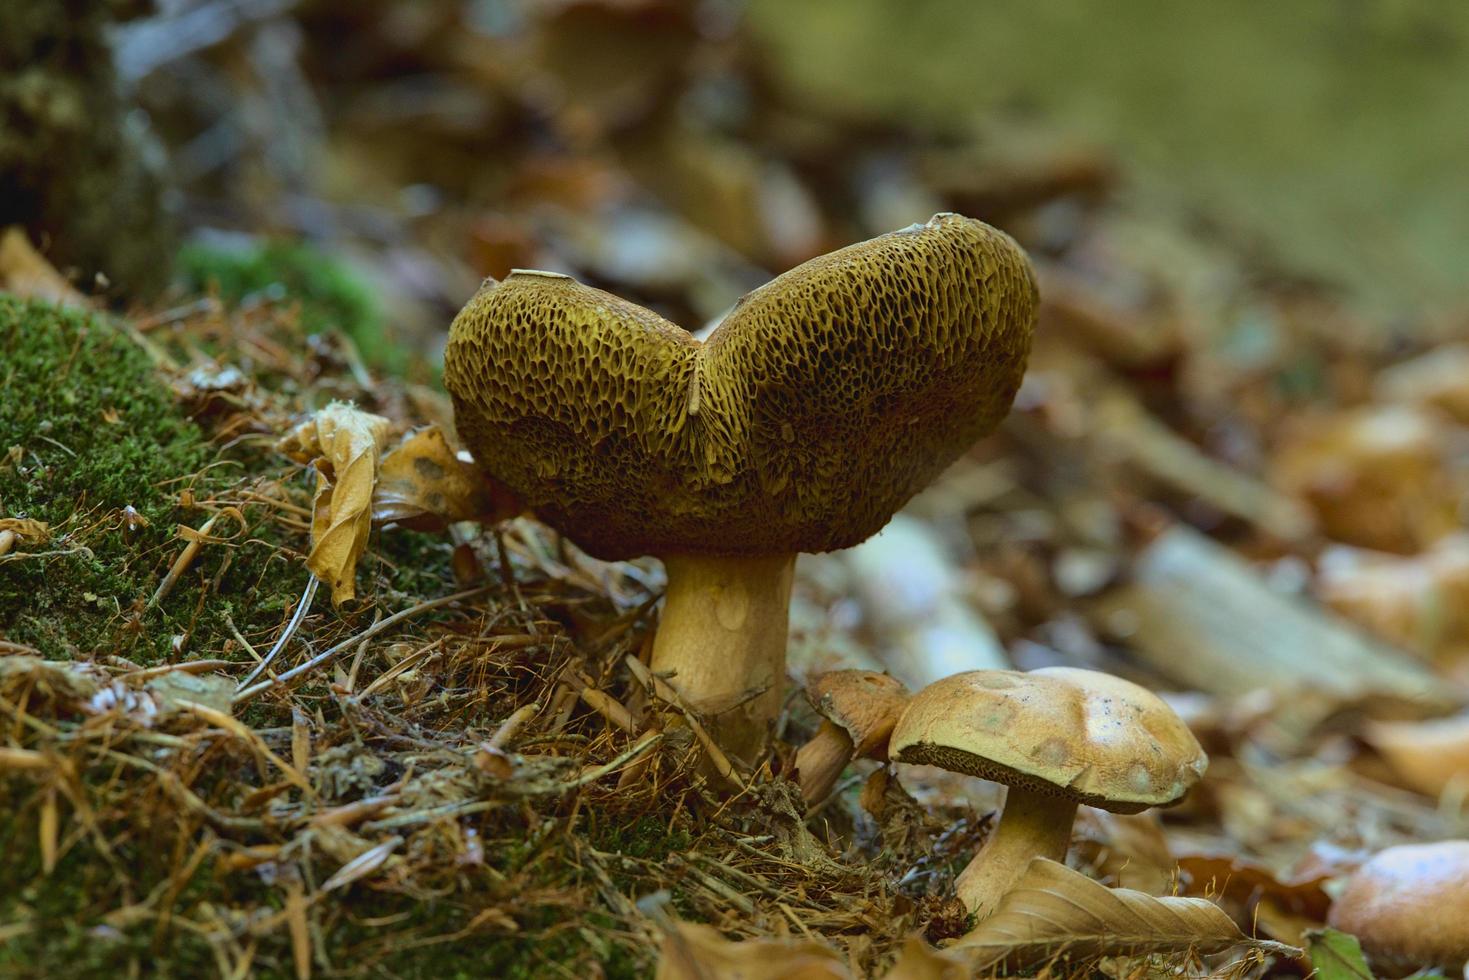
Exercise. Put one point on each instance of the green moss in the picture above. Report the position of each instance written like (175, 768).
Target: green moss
(330, 295)
(96, 431)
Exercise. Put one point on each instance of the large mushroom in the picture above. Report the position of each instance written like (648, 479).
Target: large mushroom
(1058, 737)
(822, 403)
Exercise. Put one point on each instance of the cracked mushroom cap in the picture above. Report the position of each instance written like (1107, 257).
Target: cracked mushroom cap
(1062, 731)
(822, 403)
(1409, 906)
(863, 703)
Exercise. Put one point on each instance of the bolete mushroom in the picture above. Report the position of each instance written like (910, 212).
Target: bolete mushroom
(822, 403)
(858, 709)
(1409, 907)
(1057, 737)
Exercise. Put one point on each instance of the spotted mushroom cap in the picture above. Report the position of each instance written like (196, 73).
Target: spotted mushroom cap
(1064, 731)
(1409, 906)
(866, 705)
(822, 403)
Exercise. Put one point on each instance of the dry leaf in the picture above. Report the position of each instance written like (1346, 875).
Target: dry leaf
(1439, 377)
(24, 530)
(920, 961)
(345, 443)
(26, 273)
(1427, 756)
(1234, 877)
(1420, 602)
(695, 952)
(424, 485)
(1377, 477)
(1054, 912)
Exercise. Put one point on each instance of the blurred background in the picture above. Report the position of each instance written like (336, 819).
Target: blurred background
(682, 152)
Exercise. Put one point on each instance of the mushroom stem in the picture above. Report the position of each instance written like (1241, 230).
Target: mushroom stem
(820, 762)
(721, 643)
(1031, 825)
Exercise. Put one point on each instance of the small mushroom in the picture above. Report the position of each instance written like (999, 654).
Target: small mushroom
(1409, 907)
(1057, 737)
(824, 401)
(859, 709)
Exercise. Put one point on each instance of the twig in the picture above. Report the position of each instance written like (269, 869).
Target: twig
(366, 634)
(286, 634)
(511, 726)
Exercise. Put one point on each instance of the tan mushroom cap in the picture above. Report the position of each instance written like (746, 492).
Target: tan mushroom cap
(822, 403)
(1061, 731)
(1409, 906)
(864, 703)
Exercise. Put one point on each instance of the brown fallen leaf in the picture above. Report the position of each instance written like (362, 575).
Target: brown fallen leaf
(1054, 912)
(695, 952)
(920, 961)
(1230, 876)
(1439, 377)
(1420, 602)
(1378, 477)
(345, 443)
(422, 484)
(22, 530)
(26, 272)
(1428, 756)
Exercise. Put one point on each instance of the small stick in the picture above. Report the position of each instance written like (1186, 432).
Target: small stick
(511, 726)
(366, 634)
(280, 644)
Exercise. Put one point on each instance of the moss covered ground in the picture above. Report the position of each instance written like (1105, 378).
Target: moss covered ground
(97, 447)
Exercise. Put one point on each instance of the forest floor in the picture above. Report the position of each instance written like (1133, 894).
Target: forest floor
(1221, 480)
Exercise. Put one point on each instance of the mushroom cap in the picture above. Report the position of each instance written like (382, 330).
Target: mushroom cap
(1061, 731)
(865, 704)
(1409, 906)
(822, 403)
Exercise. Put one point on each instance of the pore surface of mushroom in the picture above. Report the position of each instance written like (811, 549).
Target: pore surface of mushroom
(821, 404)
(1409, 907)
(858, 709)
(1057, 737)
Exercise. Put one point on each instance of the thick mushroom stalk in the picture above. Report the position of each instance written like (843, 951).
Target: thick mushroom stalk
(1031, 825)
(721, 643)
(825, 400)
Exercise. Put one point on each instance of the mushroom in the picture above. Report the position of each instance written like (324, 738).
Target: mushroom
(859, 709)
(1057, 737)
(822, 403)
(1409, 907)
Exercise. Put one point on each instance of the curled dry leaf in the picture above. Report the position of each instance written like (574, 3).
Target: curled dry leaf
(345, 443)
(424, 485)
(695, 952)
(1427, 756)
(1055, 912)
